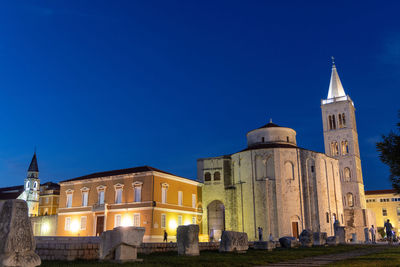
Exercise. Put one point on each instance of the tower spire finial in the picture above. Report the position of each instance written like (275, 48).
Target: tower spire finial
(333, 61)
(270, 120)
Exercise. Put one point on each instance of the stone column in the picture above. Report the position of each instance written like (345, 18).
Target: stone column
(17, 246)
(187, 237)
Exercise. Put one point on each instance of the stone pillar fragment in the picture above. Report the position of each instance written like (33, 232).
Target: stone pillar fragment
(233, 242)
(289, 242)
(121, 243)
(340, 232)
(17, 244)
(320, 238)
(306, 238)
(187, 237)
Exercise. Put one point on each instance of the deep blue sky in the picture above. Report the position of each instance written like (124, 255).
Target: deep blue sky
(102, 85)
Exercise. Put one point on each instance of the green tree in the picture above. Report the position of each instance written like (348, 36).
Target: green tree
(389, 149)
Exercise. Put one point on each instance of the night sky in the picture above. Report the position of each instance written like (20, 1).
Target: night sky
(103, 85)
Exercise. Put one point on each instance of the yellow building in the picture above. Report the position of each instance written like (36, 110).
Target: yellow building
(49, 199)
(141, 196)
(386, 205)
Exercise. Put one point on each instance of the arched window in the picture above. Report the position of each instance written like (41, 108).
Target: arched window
(333, 122)
(27, 185)
(350, 200)
(343, 120)
(330, 122)
(334, 148)
(327, 217)
(340, 121)
(289, 172)
(345, 147)
(347, 174)
(35, 185)
(207, 177)
(217, 176)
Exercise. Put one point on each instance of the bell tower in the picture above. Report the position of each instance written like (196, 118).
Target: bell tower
(31, 186)
(341, 142)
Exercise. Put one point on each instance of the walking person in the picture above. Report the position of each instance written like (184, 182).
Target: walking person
(388, 228)
(373, 234)
(165, 236)
(260, 234)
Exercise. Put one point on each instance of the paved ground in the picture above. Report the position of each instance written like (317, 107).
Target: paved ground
(328, 259)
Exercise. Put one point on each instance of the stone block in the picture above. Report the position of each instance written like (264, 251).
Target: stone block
(233, 242)
(320, 238)
(306, 238)
(264, 245)
(187, 237)
(340, 232)
(111, 241)
(17, 246)
(332, 241)
(289, 242)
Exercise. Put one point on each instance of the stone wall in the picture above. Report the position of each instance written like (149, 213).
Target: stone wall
(87, 248)
(67, 248)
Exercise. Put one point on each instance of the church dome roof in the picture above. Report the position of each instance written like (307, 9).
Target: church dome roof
(269, 125)
(271, 134)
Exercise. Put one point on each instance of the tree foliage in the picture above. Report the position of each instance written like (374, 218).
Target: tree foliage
(389, 149)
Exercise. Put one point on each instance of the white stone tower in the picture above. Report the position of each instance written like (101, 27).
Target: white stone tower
(341, 142)
(31, 186)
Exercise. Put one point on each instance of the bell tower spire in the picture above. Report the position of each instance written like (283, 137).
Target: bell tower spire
(31, 185)
(335, 86)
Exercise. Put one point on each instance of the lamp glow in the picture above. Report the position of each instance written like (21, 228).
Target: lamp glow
(45, 228)
(172, 224)
(75, 226)
(127, 221)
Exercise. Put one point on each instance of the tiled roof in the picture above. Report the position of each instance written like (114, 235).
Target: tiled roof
(117, 172)
(379, 192)
(11, 192)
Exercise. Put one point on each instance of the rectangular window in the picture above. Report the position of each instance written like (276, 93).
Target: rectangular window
(193, 200)
(69, 200)
(67, 223)
(85, 199)
(384, 212)
(101, 197)
(164, 195)
(398, 211)
(117, 220)
(163, 220)
(136, 219)
(118, 195)
(194, 220)
(138, 193)
(47, 200)
(180, 196)
(179, 220)
(83, 222)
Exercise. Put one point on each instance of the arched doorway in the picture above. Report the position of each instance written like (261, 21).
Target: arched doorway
(216, 219)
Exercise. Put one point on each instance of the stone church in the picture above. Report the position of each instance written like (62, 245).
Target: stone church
(276, 185)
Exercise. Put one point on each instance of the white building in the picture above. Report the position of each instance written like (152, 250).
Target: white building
(341, 142)
(272, 184)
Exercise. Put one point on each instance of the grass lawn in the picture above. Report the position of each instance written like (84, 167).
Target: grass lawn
(387, 257)
(213, 258)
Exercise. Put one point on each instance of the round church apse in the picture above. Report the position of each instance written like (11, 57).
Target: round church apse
(216, 219)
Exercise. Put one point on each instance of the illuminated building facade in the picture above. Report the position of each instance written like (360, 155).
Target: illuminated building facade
(141, 196)
(49, 198)
(386, 205)
(341, 142)
(272, 184)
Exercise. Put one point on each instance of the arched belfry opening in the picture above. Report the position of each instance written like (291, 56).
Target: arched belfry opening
(216, 219)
